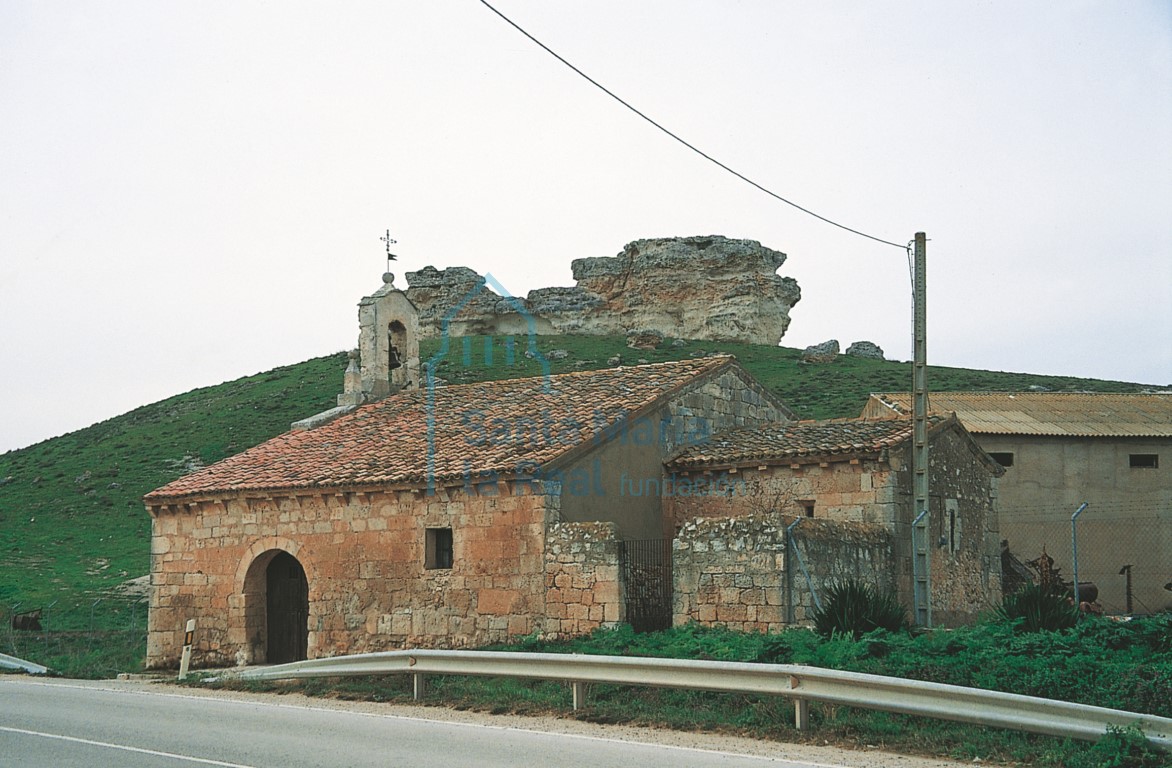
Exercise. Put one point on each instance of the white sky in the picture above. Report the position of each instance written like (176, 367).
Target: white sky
(192, 192)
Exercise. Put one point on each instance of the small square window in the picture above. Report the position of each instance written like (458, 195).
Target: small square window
(807, 507)
(1004, 458)
(1144, 460)
(439, 549)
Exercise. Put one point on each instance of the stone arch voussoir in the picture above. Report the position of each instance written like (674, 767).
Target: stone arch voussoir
(246, 612)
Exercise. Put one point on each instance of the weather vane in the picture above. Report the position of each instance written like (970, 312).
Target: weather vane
(389, 241)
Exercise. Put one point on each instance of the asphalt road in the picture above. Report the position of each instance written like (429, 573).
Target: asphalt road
(81, 723)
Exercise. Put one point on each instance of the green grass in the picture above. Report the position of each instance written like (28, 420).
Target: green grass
(72, 523)
(73, 527)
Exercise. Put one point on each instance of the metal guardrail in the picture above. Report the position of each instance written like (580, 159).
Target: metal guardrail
(11, 662)
(801, 683)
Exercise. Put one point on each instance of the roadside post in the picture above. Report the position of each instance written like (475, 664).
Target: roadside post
(188, 638)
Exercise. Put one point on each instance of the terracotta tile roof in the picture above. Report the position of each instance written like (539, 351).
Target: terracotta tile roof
(1044, 413)
(804, 439)
(477, 429)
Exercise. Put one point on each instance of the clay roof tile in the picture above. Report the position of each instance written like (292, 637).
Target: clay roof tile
(443, 435)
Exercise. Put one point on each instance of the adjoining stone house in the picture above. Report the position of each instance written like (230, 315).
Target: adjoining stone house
(454, 516)
(848, 486)
(416, 514)
(1059, 450)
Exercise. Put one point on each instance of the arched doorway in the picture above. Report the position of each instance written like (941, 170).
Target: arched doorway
(286, 610)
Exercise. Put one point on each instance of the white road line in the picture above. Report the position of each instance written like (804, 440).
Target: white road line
(125, 748)
(515, 729)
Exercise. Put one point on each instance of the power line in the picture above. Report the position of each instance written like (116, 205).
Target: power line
(706, 156)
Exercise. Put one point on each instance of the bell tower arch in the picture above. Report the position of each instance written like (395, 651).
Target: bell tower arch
(388, 346)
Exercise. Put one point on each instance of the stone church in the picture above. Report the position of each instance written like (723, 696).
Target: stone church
(422, 514)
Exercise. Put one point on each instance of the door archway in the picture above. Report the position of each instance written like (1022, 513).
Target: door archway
(286, 610)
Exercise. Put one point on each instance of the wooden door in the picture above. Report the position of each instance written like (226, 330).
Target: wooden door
(287, 613)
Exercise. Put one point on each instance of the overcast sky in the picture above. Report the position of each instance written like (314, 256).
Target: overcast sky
(192, 192)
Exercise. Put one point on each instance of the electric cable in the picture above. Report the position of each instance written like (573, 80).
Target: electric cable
(706, 156)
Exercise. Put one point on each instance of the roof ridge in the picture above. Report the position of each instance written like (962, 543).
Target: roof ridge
(702, 362)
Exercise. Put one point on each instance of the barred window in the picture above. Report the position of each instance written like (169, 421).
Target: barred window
(439, 549)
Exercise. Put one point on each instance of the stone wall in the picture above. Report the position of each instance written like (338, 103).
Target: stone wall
(364, 559)
(966, 561)
(854, 491)
(739, 572)
(583, 580)
(388, 342)
(876, 494)
(730, 572)
(729, 399)
(683, 287)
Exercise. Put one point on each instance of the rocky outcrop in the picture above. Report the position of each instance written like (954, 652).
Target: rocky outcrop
(682, 287)
(458, 297)
(867, 349)
(826, 352)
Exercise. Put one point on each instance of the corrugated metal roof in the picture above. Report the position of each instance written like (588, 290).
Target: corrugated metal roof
(1058, 414)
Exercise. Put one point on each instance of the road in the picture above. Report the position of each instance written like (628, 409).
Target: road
(107, 723)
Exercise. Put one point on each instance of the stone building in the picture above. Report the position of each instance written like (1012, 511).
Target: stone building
(848, 486)
(1062, 449)
(447, 515)
(422, 514)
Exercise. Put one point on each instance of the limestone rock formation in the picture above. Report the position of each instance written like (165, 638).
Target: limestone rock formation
(826, 352)
(682, 287)
(459, 297)
(865, 349)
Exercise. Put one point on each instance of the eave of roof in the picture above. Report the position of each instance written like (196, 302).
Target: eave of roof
(835, 439)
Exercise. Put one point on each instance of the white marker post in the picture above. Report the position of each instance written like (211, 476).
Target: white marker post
(188, 639)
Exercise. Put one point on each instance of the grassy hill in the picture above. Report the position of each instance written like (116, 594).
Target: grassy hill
(73, 528)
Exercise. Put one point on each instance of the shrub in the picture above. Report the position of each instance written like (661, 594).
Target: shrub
(1121, 748)
(1034, 608)
(854, 608)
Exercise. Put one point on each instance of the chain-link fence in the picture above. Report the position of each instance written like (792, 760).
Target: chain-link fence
(1124, 552)
(94, 637)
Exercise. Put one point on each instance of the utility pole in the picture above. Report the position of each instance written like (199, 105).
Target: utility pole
(921, 545)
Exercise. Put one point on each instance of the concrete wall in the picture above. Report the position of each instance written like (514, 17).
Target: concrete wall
(1128, 522)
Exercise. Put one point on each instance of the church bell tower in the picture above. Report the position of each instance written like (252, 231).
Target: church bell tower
(387, 358)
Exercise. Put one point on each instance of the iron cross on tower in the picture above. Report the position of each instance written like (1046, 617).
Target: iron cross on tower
(389, 241)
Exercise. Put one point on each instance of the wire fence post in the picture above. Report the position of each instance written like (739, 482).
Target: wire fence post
(1074, 551)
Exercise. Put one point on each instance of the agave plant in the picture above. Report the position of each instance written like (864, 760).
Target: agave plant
(855, 608)
(1038, 608)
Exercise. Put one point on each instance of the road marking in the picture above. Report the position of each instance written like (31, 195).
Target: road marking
(210, 696)
(125, 748)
